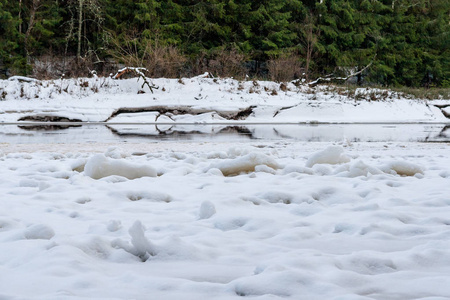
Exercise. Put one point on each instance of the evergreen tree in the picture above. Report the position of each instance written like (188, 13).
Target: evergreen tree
(405, 42)
(11, 52)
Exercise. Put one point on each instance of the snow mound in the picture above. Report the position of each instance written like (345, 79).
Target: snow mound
(297, 169)
(115, 152)
(357, 169)
(148, 196)
(402, 168)
(39, 231)
(114, 225)
(100, 166)
(244, 164)
(140, 245)
(332, 155)
(207, 210)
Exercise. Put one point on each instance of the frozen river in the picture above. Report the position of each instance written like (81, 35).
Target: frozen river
(138, 133)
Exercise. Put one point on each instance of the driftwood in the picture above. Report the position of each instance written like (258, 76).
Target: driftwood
(182, 110)
(46, 118)
(441, 107)
(140, 74)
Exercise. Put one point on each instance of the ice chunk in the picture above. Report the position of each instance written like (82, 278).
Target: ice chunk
(265, 169)
(402, 168)
(331, 155)
(321, 170)
(100, 166)
(244, 164)
(142, 246)
(297, 169)
(357, 169)
(78, 165)
(207, 210)
(39, 231)
(115, 152)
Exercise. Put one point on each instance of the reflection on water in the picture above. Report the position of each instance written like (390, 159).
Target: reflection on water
(56, 133)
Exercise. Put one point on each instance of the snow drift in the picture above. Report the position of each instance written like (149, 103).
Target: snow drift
(100, 166)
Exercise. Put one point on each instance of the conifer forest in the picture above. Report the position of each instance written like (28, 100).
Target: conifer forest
(385, 42)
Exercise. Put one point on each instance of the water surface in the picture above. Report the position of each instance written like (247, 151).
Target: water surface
(138, 133)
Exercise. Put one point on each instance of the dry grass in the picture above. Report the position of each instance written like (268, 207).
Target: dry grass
(423, 93)
(284, 68)
(159, 59)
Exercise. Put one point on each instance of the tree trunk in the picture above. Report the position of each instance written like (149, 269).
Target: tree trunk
(20, 16)
(33, 10)
(80, 27)
(311, 40)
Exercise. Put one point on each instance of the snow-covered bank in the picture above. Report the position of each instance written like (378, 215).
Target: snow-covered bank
(271, 217)
(272, 220)
(205, 100)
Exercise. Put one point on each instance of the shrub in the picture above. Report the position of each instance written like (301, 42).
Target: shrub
(285, 67)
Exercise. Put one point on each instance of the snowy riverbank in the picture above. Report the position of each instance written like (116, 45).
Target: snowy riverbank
(206, 100)
(265, 218)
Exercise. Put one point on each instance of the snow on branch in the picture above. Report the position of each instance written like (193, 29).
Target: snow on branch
(22, 79)
(139, 72)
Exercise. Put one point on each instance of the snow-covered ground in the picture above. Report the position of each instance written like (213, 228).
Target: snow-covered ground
(270, 220)
(207, 100)
(259, 219)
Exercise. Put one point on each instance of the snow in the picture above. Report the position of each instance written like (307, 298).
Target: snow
(100, 166)
(224, 219)
(289, 220)
(331, 155)
(245, 164)
(96, 99)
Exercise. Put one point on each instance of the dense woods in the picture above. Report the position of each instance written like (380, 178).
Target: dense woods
(395, 42)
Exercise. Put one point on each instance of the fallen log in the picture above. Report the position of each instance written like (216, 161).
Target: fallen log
(240, 114)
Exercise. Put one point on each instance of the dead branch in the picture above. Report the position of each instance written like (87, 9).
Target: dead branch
(139, 72)
(334, 79)
(442, 107)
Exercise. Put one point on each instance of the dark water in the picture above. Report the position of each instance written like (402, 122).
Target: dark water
(24, 134)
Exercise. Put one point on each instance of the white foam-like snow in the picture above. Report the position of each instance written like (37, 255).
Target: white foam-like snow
(207, 210)
(403, 168)
(331, 155)
(39, 231)
(245, 164)
(100, 166)
(349, 227)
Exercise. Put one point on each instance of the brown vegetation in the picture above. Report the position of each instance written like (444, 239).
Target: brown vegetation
(285, 67)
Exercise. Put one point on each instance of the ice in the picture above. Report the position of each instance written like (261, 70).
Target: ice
(357, 168)
(100, 166)
(140, 245)
(403, 168)
(271, 228)
(331, 155)
(245, 164)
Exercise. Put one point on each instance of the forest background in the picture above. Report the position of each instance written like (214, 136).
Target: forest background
(388, 42)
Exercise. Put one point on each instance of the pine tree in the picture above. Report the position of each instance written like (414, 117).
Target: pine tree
(11, 53)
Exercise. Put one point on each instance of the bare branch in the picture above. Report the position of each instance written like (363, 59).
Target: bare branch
(331, 79)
